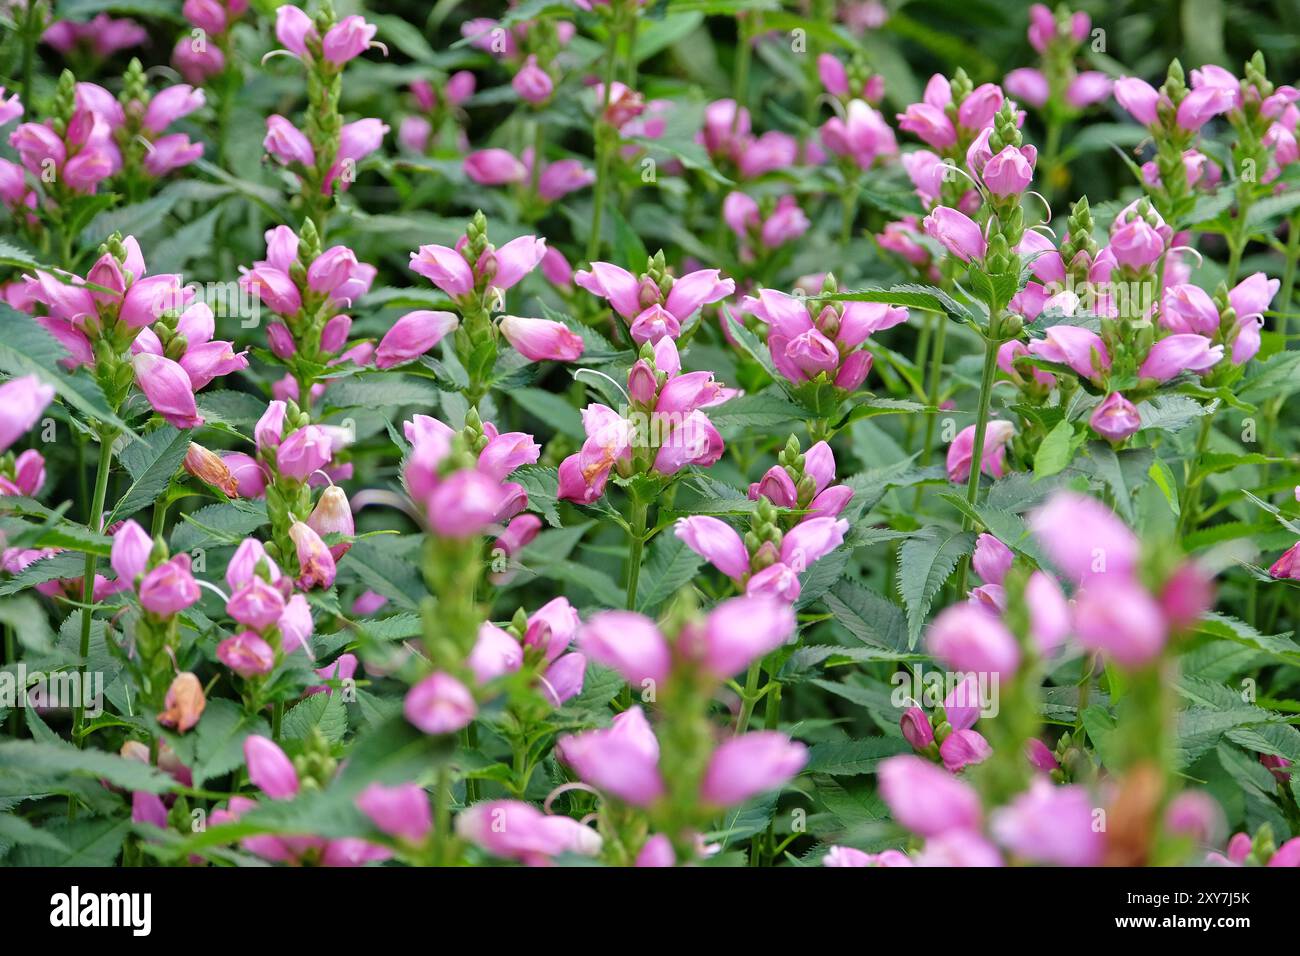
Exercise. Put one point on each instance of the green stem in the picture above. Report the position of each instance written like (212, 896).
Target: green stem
(277, 718)
(604, 141)
(441, 815)
(750, 697)
(96, 519)
(740, 78)
(30, 33)
(850, 201)
(1192, 489)
(636, 545)
(977, 450)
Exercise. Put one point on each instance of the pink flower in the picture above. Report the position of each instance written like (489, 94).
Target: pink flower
(963, 748)
(1080, 349)
(926, 799)
(740, 630)
(22, 400)
(1178, 353)
(1089, 87)
(542, 340)
(1051, 824)
(916, 728)
(256, 604)
(811, 540)
(956, 232)
(401, 811)
(494, 167)
(168, 389)
(315, 563)
(305, 451)
(622, 760)
(446, 268)
(532, 83)
(1010, 171)
(1027, 85)
(333, 515)
(412, 335)
(439, 704)
(715, 541)
(1115, 615)
(1083, 537)
(347, 39)
(1201, 105)
(1115, 419)
(750, 764)
(517, 830)
(269, 769)
(993, 460)
(966, 637)
(286, 143)
(130, 552)
(246, 654)
(930, 124)
(628, 642)
(171, 104)
(1139, 97)
(169, 588)
(992, 559)
(1189, 308)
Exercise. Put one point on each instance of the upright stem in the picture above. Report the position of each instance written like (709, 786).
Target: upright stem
(1192, 489)
(441, 815)
(850, 201)
(750, 697)
(936, 385)
(634, 549)
(96, 519)
(29, 34)
(603, 141)
(981, 426)
(740, 78)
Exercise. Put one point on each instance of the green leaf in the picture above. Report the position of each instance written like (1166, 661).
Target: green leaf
(18, 831)
(870, 617)
(323, 712)
(550, 408)
(671, 566)
(82, 843)
(226, 523)
(1122, 472)
(1055, 451)
(910, 295)
(542, 485)
(219, 739)
(849, 758)
(153, 460)
(27, 349)
(1163, 477)
(30, 626)
(924, 565)
(381, 390)
(59, 759)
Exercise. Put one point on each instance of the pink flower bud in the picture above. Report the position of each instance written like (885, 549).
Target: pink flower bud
(315, 563)
(1089, 87)
(1178, 353)
(22, 400)
(287, 143)
(1028, 85)
(1080, 349)
(532, 83)
(169, 588)
(929, 123)
(446, 268)
(295, 625)
(750, 764)
(269, 769)
(958, 233)
(916, 728)
(628, 642)
(622, 760)
(994, 458)
(542, 340)
(439, 704)
(171, 104)
(401, 811)
(926, 799)
(273, 287)
(256, 604)
(130, 554)
(811, 540)
(494, 167)
(184, 703)
(303, 452)
(412, 335)
(246, 654)
(347, 39)
(465, 503)
(1116, 418)
(1049, 612)
(966, 637)
(992, 559)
